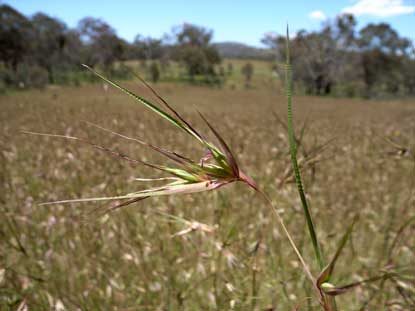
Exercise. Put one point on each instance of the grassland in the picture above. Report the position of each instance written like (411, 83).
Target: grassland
(263, 75)
(132, 259)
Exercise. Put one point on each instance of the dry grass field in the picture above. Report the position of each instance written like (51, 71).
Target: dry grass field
(142, 257)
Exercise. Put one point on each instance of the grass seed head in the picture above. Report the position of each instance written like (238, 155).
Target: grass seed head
(217, 168)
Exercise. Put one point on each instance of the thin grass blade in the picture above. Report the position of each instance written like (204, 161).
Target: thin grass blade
(188, 163)
(146, 103)
(327, 272)
(195, 132)
(229, 156)
(122, 204)
(335, 291)
(182, 188)
(102, 148)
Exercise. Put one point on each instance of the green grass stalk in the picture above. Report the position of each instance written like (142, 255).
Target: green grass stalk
(293, 151)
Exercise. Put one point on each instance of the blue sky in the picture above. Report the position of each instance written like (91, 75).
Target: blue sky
(243, 21)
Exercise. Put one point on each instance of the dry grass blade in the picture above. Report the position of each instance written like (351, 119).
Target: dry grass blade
(292, 243)
(99, 147)
(117, 206)
(339, 290)
(169, 154)
(22, 306)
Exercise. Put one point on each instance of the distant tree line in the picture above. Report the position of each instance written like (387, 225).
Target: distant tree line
(336, 60)
(339, 60)
(40, 50)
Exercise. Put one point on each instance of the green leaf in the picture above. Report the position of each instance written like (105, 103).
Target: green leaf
(327, 272)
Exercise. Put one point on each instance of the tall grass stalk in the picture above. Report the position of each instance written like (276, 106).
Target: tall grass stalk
(293, 152)
(328, 303)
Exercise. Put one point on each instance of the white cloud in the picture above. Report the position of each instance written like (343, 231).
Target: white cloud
(380, 8)
(318, 15)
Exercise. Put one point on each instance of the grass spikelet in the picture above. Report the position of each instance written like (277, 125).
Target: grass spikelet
(213, 171)
(216, 169)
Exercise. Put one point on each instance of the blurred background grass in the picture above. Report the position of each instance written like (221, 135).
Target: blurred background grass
(130, 261)
(356, 157)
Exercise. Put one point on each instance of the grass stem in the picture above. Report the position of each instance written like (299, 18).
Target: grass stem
(293, 151)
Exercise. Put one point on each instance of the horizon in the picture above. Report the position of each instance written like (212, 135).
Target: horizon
(264, 16)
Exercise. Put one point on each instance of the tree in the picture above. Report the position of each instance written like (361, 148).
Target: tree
(148, 48)
(344, 32)
(383, 57)
(193, 48)
(383, 38)
(320, 59)
(49, 42)
(276, 43)
(72, 55)
(313, 58)
(102, 46)
(15, 36)
(247, 70)
(409, 73)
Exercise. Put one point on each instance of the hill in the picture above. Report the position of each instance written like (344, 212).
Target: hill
(241, 50)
